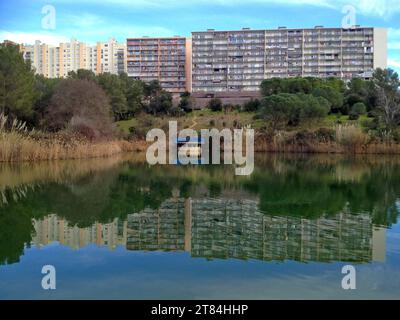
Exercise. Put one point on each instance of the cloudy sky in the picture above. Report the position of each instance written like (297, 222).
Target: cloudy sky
(93, 20)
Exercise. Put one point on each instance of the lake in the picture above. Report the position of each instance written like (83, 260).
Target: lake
(118, 228)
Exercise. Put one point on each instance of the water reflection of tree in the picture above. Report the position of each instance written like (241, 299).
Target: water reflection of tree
(305, 187)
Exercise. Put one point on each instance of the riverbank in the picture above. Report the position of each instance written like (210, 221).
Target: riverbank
(332, 134)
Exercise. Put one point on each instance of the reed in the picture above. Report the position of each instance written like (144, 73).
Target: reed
(18, 143)
(345, 139)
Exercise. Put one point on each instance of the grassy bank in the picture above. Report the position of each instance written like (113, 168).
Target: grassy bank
(17, 143)
(332, 134)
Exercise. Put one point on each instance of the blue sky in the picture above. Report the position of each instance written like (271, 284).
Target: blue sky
(93, 20)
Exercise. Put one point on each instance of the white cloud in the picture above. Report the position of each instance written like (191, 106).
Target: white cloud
(394, 63)
(394, 45)
(376, 8)
(29, 38)
(85, 20)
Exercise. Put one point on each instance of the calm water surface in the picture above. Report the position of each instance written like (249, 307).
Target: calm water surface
(120, 229)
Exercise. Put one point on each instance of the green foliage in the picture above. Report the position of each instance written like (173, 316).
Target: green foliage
(332, 95)
(160, 103)
(358, 109)
(115, 90)
(215, 104)
(252, 106)
(330, 89)
(186, 103)
(386, 79)
(387, 108)
(82, 74)
(45, 88)
(17, 84)
(289, 109)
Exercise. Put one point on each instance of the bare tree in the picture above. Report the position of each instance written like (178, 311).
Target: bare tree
(81, 106)
(388, 108)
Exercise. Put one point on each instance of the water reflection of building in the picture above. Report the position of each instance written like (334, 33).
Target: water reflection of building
(229, 228)
(52, 228)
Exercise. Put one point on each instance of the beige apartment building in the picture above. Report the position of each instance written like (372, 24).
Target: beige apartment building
(167, 60)
(54, 62)
(53, 228)
(234, 61)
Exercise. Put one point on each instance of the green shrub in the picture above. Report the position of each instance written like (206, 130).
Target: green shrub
(215, 104)
(252, 106)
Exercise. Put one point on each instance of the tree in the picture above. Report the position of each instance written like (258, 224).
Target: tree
(312, 107)
(82, 74)
(332, 95)
(386, 79)
(359, 109)
(252, 106)
(388, 98)
(388, 109)
(115, 90)
(297, 85)
(134, 93)
(17, 84)
(45, 88)
(359, 90)
(280, 109)
(187, 102)
(81, 106)
(157, 100)
(271, 86)
(160, 103)
(152, 88)
(289, 109)
(215, 104)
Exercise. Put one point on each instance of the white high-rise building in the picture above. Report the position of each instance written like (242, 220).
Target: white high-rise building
(54, 62)
(234, 61)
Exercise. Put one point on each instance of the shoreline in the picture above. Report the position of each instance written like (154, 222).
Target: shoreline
(45, 151)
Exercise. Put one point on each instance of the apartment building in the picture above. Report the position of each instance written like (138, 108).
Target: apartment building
(224, 61)
(167, 60)
(53, 228)
(54, 62)
(110, 57)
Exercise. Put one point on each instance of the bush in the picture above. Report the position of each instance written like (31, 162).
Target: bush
(351, 137)
(252, 106)
(304, 137)
(353, 116)
(359, 108)
(215, 104)
(325, 135)
(289, 109)
(81, 106)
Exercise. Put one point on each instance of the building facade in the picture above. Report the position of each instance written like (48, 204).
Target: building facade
(58, 61)
(226, 61)
(164, 59)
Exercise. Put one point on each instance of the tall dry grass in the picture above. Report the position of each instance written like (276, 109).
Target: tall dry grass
(346, 139)
(17, 143)
(351, 138)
